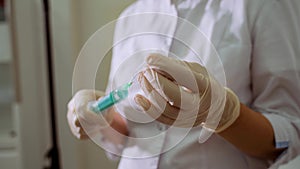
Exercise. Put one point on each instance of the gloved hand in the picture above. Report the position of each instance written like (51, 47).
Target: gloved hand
(84, 123)
(183, 94)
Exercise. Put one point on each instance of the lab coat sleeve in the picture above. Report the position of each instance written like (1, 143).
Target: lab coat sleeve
(276, 75)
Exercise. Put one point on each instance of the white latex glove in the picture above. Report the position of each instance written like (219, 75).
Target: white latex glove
(84, 123)
(183, 94)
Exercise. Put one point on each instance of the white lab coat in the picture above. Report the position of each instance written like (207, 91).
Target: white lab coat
(258, 43)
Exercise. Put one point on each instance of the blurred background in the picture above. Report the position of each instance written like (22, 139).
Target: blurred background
(26, 89)
(39, 43)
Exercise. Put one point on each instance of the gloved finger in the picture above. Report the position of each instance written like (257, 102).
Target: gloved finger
(166, 75)
(171, 115)
(153, 111)
(176, 95)
(203, 82)
(189, 109)
(188, 117)
(161, 104)
(152, 79)
(80, 129)
(181, 71)
(80, 132)
(75, 124)
(70, 118)
(75, 129)
(87, 118)
(165, 118)
(91, 131)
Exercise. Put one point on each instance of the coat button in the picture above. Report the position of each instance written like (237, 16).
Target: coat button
(161, 127)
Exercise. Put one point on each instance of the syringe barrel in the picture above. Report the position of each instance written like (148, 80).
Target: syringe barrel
(112, 98)
(105, 102)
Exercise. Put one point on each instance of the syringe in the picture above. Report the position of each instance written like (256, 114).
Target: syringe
(110, 99)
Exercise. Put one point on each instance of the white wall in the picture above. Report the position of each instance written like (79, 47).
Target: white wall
(92, 15)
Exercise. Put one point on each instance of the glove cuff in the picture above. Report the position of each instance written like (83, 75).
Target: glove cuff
(231, 111)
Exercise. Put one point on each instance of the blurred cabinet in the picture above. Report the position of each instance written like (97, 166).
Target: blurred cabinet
(9, 154)
(24, 112)
(9, 158)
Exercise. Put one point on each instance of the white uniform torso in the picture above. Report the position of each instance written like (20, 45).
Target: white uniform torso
(230, 25)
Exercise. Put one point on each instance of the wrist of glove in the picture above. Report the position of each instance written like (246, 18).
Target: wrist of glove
(230, 114)
(183, 94)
